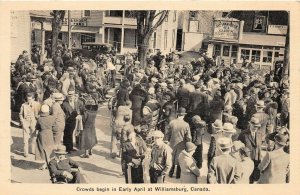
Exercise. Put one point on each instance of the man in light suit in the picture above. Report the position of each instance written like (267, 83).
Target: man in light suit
(252, 139)
(224, 168)
(178, 134)
(274, 166)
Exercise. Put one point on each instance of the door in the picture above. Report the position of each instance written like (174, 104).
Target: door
(179, 40)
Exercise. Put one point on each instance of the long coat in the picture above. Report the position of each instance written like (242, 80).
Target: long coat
(216, 108)
(264, 122)
(274, 167)
(223, 170)
(45, 141)
(88, 138)
(139, 98)
(178, 134)
(199, 104)
(189, 170)
(183, 97)
(59, 115)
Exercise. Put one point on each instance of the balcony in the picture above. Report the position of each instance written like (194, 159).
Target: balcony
(118, 20)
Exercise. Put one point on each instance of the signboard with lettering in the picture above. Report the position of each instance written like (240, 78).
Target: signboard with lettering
(277, 29)
(227, 29)
(76, 21)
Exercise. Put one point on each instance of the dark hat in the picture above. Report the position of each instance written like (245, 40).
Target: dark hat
(61, 149)
(181, 111)
(189, 146)
(281, 139)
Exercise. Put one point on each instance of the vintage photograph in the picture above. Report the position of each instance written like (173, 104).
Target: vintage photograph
(150, 96)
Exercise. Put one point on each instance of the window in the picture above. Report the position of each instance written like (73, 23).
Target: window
(167, 17)
(234, 50)
(193, 15)
(174, 16)
(193, 26)
(217, 49)
(87, 13)
(267, 56)
(173, 38)
(88, 37)
(276, 54)
(245, 54)
(129, 14)
(255, 55)
(166, 40)
(226, 49)
(115, 13)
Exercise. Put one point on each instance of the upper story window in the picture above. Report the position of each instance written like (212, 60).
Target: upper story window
(87, 13)
(174, 16)
(193, 15)
(114, 13)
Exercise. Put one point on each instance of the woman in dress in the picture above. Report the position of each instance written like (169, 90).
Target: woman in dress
(88, 138)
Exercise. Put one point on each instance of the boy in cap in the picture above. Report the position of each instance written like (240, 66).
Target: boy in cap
(161, 158)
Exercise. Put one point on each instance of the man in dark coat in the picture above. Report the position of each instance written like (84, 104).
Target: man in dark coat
(72, 108)
(133, 153)
(182, 95)
(138, 97)
(252, 139)
(123, 93)
(61, 165)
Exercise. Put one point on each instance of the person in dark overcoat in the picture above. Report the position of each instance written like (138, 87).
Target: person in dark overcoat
(72, 108)
(123, 93)
(138, 97)
(182, 95)
(44, 141)
(216, 107)
(252, 139)
(133, 153)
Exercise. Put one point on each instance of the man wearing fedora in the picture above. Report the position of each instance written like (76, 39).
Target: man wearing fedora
(161, 158)
(61, 167)
(217, 127)
(252, 138)
(178, 134)
(60, 117)
(72, 109)
(189, 170)
(274, 167)
(224, 168)
(199, 128)
(263, 118)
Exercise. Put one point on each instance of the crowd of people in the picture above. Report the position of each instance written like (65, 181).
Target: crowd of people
(162, 111)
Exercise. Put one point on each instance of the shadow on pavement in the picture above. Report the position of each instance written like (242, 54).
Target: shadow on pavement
(16, 147)
(93, 168)
(24, 164)
(107, 156)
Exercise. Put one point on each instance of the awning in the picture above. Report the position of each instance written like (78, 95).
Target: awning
(120, 26)
(264, 40)
(85, 29)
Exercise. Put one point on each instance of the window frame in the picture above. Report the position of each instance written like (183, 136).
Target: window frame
(84, 14)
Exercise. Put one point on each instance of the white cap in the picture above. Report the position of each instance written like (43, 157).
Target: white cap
(45, 108)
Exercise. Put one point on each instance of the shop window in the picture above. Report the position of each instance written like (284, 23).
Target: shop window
(87, 13)
(255, 55)
(88, 37)
(234, 51)
(267, 56)
(217, 50)
(226, 50)
(245, 54)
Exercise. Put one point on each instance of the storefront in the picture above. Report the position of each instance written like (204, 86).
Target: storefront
(232, 44)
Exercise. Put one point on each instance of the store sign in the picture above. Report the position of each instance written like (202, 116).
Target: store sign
(76, 21)
(226, 29)
(277, 29)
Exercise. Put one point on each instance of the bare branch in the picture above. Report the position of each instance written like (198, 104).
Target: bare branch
(160, 20)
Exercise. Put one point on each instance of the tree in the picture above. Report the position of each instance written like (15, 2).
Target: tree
(286, 64)
(145, 28)
(57, 22)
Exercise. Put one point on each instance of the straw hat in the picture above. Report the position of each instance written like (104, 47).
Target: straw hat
(61, 149)
(225, 142)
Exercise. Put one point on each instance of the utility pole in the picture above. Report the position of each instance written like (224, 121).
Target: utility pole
(69, 30)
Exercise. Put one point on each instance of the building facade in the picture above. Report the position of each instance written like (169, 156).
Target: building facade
(244, 36)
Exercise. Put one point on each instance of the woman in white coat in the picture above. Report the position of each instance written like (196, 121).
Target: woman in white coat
(189, 171)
